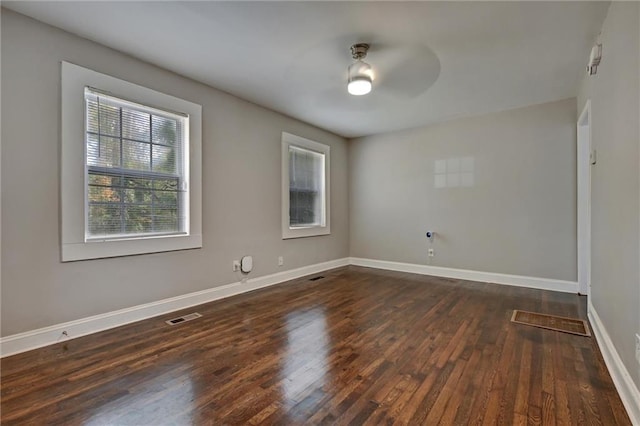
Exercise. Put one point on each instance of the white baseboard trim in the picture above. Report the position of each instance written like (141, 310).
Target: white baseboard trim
(34, 339)
(464, 274)
(625, 386)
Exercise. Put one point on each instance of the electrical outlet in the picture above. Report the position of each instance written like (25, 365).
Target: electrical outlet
(638, 348)
(431, 253)
(236, 265)
(280, 261)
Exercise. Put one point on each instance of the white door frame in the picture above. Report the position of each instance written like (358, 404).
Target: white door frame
(584, 160)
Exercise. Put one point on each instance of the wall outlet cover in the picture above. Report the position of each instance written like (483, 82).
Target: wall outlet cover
(638, 348)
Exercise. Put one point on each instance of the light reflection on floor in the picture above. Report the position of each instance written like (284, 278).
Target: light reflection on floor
(305, 362)
(159, 398)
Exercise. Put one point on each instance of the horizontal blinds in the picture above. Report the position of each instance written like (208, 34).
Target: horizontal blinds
(306, 169)
(136, 177)
(306, 187)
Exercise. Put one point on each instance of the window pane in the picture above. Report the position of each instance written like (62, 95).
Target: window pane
(103, 151)
(164, 130)
(166, 219)
(165, 198)
(137, 182)
(136, 125)
(136, 196)
(103, 118)
(306, 187)
(138, 219)
(164, 159)
(104, 219)
(166, 184)
(103, 194)
(104, 180)
(132, 205)
(136, 155)
(303, 208)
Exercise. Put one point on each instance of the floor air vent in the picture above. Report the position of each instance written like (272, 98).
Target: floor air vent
(551, 322)
(316, 278)
(184, 318)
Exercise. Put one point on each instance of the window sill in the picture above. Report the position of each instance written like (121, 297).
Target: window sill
(117, 248)
(303, 232)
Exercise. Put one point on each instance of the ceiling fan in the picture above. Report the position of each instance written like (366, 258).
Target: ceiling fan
(385, 72)
(408, 70)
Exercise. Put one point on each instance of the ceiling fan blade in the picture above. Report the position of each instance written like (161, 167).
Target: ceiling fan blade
(408, 71)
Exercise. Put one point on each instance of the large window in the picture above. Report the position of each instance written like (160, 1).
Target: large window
(130, 168)
(135, 170)
(305, 186)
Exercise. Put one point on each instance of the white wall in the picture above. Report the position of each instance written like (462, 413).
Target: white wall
(615, 181)
(241, 189)
(518, 216)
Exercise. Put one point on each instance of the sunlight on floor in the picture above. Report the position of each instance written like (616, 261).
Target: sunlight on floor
(158, 398)
(305, 362)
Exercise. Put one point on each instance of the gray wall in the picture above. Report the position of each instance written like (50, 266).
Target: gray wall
(241, 189)
(517, 217)
(615, 187)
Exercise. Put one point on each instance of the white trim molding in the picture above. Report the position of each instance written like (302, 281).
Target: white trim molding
(75, 244)
(465, 274)
(324, 227)
(34, 339)
(622, 380)
(584, 163)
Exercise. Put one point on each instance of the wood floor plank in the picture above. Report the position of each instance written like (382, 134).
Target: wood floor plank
(524, 381)
(361, 346)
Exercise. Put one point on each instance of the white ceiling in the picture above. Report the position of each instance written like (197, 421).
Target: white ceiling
(433, 61)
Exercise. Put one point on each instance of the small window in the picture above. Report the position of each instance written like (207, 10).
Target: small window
(305, 187)
(131, 178)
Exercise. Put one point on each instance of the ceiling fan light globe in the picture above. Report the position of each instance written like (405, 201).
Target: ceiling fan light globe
(359, 86)
(360, 78)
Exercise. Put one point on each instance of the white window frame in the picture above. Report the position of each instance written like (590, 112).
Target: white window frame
(304, 231)
(74, 243)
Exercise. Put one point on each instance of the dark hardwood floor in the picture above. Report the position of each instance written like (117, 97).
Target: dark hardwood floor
(360, 346)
